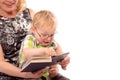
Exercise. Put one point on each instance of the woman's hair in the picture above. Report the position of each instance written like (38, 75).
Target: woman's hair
(21, 5)
(44, 19)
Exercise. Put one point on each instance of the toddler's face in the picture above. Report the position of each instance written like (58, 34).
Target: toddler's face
(45, 37)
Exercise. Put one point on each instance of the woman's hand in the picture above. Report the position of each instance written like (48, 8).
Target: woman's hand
(37, 74)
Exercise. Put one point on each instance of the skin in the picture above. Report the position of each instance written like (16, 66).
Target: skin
(8, 9)
(53, 71)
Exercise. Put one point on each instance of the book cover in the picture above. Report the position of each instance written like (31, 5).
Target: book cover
(37, 63)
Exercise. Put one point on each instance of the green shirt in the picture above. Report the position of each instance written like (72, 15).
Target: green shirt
(31, 42)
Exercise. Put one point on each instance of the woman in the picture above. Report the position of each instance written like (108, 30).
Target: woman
(15, 20)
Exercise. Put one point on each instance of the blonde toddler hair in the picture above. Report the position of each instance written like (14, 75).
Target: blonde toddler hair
(44, 19)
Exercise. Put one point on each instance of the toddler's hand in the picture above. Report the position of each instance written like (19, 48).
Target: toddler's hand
(50, 51)
(53, 70)
(65, 62)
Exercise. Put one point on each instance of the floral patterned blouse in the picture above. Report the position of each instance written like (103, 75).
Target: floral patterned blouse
(12, 32)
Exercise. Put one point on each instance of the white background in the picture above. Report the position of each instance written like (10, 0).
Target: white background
(90, 31)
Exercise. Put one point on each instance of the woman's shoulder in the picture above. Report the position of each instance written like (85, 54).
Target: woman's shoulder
(32, 12)
(27, 12)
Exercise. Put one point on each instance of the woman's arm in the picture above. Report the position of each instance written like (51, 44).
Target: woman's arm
(12, 70)
(8, 68)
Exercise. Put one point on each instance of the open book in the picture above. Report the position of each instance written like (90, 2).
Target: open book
(39, 62)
